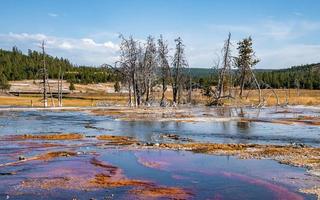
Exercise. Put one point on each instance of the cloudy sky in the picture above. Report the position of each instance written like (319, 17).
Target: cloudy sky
(285, 32)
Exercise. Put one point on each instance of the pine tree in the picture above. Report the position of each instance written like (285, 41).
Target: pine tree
(117, 86)
(245, 61)
(72, 87)
(4, 84)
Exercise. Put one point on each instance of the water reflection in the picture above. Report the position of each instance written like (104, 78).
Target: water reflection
(32, 122)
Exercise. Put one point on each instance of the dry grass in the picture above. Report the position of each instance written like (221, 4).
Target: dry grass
(97, 94)
(291, 96)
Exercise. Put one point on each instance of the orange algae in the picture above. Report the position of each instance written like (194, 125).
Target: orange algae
(118, 140)
(64, 136)
(161, 192)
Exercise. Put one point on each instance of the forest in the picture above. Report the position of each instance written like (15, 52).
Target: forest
(14, 65)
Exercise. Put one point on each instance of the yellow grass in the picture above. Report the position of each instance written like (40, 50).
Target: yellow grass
(92, 97)
(292, 97)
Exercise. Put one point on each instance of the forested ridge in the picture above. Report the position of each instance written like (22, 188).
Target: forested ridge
(14, 65)
(304, 76)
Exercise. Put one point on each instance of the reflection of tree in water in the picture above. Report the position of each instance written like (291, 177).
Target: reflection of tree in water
(224, 112)
(243, 126)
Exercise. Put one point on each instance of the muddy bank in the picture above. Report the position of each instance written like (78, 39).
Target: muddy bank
(304, 120)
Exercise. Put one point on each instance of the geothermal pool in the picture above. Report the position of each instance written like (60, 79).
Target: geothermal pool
(90, 169)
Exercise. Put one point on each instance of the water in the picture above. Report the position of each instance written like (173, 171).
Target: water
(199, 176)
(41, 122)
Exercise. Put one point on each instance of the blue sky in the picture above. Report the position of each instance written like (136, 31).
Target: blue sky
(285, 32)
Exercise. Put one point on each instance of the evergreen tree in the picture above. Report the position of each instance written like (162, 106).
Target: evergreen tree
(117, 86)
(71, 86)
(245, 62)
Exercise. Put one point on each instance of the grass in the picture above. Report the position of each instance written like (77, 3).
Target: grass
(90, 98)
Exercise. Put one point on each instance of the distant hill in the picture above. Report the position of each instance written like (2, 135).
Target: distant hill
(17, 66)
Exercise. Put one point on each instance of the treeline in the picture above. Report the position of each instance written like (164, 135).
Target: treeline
(14, 65)
(304, 77)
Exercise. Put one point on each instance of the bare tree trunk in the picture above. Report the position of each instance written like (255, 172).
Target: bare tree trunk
(242, 82)
(164, 89)
(258, 86)
(44, 78)
(134, 90)
(130, 95)
(225, 67)
(148, 91)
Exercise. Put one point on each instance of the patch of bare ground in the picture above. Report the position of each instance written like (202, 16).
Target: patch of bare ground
(64, 136)
(147, 114)
(305, 120)
(155, 192)
(117, 140)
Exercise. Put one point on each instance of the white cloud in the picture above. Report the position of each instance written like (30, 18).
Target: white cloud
(65, 45)
(26, 36)
(53, 15)
(295, 54)
(278, 44)
(80, 51)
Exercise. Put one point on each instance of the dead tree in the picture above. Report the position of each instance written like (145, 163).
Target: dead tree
(128, 65)
(224, 75)
(165, 73)
(179, 64)
(60, 87)
(150, 65)
(44, 76)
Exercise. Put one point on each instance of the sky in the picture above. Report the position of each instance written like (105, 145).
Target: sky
(284, 32)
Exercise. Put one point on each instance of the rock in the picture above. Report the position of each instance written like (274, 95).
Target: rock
(80, 153)
(22, 158)
(149, 144)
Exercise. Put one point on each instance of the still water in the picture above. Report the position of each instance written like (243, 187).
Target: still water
(200, 176)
